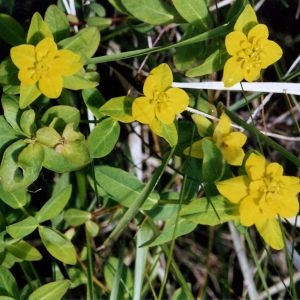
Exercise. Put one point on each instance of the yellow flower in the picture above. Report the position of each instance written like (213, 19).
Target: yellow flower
(161, 102)
(263, 195)
(44, 66)
(230, 143)
(249, 54)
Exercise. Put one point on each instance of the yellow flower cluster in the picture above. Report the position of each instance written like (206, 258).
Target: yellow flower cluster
(43, 67)
(263, 195)
(161, 102)
(250, 53)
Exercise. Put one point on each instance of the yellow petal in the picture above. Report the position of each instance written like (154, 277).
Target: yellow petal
(178, 99)
(251, 74)
(164, 76)
(233, 155)
(275, 170)
(28, 76)
(164, 113)
(143, 110)
(249, 211)
(152, 87)
(255, 166)
(233, 72)
(259, 31)
(67, 63)
(223, 127)
(23, 56)
(51, 86)
(271, 53)
(271, 233)
(287, 205)
(235, 139)
(234, 189)
(235, 41)
(44, 47)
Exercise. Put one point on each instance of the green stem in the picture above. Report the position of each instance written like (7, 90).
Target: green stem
(90, 285)
(133, 210)
(257, 264)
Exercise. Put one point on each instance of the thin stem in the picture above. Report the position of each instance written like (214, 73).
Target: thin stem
(257, 264)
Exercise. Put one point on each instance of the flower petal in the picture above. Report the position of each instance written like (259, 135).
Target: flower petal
(234, 189)
(252, 73)
(233, 155)
(255, 166)
(271, 233)
(259, 31)
(143, 110)
(51, 86)
(178, 99)
(23, 56)
(222, 128)
(249, 211)
(234, 41)
(164, 113)
(67, 63)
(233, 72)
(271, 52)
(164, 76)
(44, 47)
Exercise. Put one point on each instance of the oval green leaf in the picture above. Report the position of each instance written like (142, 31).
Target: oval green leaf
(76, 217)
(24, 251)
(58, 245)
(50, 291)
(103, 138)
(54, 205)
(22, 228)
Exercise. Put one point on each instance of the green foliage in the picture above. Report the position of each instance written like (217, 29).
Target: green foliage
(115, 209)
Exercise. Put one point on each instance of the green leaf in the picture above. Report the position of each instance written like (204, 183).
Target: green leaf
(21, 165)
(8, 284)
(118, 108)
(85, 42)
(246, 20)
(28, 94)
(66, 114)
(99, 22)
(22, 228)
(92, 228)
(213, 211)
(54, 205)
(24, 251)
(103, 138)
(57, 22)
(213, 63)
(7, 134)
(111, 271)
(58, 245)
(194, 11)
(183, 227)
(11, 31)
(8, 73)
(93, 99)
(16, 199)
(38, 30)
(167, 131)
(30, 160)
(118, 5)
(77, 82)
(213, 163)
(56, 162)
(76, 217)
(48, 136)
(11, 111)
(154, 12)
(27, 122)
(122, 187)
(98, 9)
(53, 290)
(189, 56)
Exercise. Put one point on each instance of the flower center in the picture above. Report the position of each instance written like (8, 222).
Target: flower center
(161, 97)
(250, 55)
